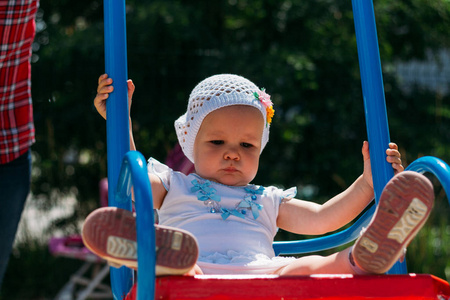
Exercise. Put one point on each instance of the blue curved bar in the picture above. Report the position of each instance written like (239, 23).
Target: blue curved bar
(118, 141)
(437, 167)
(134, 173)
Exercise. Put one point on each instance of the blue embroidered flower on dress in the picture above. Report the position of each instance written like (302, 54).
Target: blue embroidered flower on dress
(253, 206)
(226, 213)
(207, 194)
(249, 201)
(254, 192)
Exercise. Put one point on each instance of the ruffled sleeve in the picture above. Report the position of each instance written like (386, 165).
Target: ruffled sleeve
(161, 170)
(288, 194)
(272, 198)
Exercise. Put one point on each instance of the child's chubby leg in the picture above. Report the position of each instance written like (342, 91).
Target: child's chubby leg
(194, 271)
(110, 233)
(403, 209)
(336, 263)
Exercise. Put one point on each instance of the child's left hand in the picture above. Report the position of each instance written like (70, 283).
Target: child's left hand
(393, 157)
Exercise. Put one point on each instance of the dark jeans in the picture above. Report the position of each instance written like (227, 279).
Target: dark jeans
(15, 180)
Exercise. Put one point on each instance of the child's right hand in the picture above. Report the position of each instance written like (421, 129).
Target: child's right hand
(104, 89)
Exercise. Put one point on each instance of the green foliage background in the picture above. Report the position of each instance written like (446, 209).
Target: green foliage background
(302, 52)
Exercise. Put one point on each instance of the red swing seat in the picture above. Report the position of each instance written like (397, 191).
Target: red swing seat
(330, 287)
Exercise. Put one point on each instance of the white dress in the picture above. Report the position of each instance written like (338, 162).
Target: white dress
(234, 226)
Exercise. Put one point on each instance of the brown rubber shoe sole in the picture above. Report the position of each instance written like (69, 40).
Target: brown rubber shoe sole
(110, 233)
(403, 209)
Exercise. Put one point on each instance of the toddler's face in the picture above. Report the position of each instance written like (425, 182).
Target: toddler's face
(228, 145)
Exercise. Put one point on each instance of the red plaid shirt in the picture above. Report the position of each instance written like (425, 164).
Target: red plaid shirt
(17, 30)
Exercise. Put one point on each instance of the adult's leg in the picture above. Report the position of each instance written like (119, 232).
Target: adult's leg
(14, 189)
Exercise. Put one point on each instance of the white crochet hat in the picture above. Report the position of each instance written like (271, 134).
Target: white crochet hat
(216, 92)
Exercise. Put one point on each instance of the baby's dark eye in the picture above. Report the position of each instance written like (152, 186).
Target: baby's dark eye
(217, 142)
(246, 145)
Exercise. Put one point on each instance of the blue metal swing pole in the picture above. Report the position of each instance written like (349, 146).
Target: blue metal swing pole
(118, 140)
(134, 174)
(374, 101)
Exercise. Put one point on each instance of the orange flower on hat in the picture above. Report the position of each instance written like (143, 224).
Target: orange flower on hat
(270, 113)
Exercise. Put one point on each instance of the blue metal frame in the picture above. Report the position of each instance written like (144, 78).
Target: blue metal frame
(374, 101)
(430, 164)
(373, 92)
(134, 172)
(435, 166)
(117, 133)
